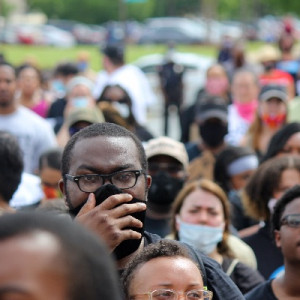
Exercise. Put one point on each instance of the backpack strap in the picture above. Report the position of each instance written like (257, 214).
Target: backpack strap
(232, 266)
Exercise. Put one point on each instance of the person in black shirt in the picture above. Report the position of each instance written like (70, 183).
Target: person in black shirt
(261, 193)
(286, 228)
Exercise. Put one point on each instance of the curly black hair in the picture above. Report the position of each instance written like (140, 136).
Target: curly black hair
(279, 140)
(163, 248)
(289, 196)
(262, 184)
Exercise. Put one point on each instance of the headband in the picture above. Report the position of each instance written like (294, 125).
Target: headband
(243, 164)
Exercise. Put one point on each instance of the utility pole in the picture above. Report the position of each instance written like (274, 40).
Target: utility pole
(123, 17)
(208, 10)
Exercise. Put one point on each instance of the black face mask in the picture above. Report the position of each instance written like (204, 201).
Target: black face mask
(126, 247)
(164, 189)
(213, 133)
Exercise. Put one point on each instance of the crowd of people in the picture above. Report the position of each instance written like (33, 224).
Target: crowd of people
(93, 205)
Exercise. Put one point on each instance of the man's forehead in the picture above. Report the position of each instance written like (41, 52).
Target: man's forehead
(102, 151)
(6, 69)
(114, 142)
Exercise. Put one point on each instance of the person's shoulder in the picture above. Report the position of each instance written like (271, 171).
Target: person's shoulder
(261, 292)
(24, 112)
(33, 117)
(248, 277)
(131, 69)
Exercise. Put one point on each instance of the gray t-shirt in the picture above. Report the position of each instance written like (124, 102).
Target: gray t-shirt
(34, 134)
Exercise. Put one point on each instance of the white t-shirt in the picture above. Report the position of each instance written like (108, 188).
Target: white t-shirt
(29, 192)
(34, 134)
(237, 127)
(136, 84)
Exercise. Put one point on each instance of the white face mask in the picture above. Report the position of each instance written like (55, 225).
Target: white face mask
(204, 238)
(122, 108)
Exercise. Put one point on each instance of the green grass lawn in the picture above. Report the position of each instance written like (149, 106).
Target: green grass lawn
(48, 57)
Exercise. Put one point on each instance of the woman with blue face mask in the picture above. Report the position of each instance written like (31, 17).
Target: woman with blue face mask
(201, 218)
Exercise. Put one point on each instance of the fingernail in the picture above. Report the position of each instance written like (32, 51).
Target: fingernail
(142, 204)
(129, 197)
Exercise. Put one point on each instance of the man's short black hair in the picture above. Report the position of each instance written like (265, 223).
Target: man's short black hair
(66, 69)
(289, 196)
(51, 158)
(101, 129)
(115, 53)
(92, 274)
(11, 165)
(163, 248)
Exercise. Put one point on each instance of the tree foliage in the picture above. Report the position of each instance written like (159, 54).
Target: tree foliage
(95, 11)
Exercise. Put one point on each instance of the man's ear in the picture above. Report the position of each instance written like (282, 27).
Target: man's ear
(148, 181)
(277, 238)
(62, 189)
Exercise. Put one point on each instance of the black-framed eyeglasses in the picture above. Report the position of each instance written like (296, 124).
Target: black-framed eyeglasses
(292, 220)
(89, 183)
(167, 294)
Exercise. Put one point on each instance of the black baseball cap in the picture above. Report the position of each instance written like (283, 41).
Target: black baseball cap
(273, 91)
(211, 107)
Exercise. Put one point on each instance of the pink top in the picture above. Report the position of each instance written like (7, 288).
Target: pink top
(41, 108)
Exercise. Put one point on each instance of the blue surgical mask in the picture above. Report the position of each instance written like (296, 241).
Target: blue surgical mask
(203, 238)
(58, 88)
(80, 102)
(122, 108)
(82, 66)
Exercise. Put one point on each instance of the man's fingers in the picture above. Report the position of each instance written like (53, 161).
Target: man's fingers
(114, 200)
(127, 209)
(88, 206)
(128, 221)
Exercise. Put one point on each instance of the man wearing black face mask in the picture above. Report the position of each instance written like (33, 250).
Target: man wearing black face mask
(105, 183)
(212, 120)
(167, 165)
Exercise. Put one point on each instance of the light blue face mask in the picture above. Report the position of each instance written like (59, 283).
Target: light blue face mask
(204, 238)
(122, 108)
(58, 88)
(80, 102)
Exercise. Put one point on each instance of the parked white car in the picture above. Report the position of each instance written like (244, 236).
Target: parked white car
(57, 37)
